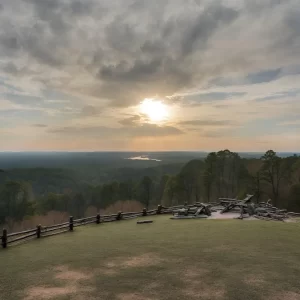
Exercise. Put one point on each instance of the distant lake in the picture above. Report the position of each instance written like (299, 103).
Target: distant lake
(143, 157)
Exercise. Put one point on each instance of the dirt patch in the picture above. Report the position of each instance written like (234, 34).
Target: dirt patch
(195, 272)
(219, 248)
(197, 286)
(84, 297)
(49, 292)
(66, 274)
(144, 260)
(255, 280)
(133, 296)
(217, 293)
(228, 215)
(111, 264)
(209, 292)
(285, 296)
(72, 279)
(110, 272)
(291, 220)
(153, 286)
(113, 268)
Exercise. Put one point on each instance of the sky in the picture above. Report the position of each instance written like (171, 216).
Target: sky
(216, 74)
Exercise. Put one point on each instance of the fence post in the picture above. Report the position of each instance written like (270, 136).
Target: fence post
(4, 238)
(144, 212)
(38, 231)
(98, 219)
(159, 209)
(71, 225)
(119, 216)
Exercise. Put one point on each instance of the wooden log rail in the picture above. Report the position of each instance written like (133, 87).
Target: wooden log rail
(46, 231)
(54, 226)
(30, 235)
(293, 214)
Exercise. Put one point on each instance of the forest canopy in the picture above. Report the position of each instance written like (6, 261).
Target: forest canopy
(36, 191)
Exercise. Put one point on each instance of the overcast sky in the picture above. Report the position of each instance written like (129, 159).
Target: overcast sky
(73, 73)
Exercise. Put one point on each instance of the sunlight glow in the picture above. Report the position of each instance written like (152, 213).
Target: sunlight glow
(156, 110)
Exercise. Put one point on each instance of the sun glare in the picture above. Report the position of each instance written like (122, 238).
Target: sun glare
(154, 109)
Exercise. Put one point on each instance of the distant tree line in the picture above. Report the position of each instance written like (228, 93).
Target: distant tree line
(226, 174)
(220, 174)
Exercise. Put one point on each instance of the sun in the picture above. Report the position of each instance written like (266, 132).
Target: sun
(156, 110)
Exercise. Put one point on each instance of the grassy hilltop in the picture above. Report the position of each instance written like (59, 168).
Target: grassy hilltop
(180, 259)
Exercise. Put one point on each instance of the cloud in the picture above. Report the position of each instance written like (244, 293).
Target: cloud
(207, 123)
(212, 18)
(139, 71)
(21, 99)
(125, 60)
(294, 123)
(131, 121)
(90, 110)
(263, 76)
(280, 95)
(145, 130)
(200, 98)
(40, 125)
(215, 133)
(73, 60)
(9, 108)
(252, 78)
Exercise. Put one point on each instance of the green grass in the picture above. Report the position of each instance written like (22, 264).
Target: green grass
(169, 259)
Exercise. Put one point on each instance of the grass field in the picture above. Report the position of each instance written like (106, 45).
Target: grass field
(169, 259)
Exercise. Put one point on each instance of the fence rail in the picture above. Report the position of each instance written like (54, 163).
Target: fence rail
(56, 225)
(21, 232)
(21, 238)
(46, 231)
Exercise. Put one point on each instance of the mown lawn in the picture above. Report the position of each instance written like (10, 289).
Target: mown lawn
(169, 259)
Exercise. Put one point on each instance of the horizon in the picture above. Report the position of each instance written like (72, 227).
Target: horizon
(149, 76)
(144, 152)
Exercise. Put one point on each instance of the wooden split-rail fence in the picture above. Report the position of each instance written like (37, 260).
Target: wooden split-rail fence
(46, 231)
